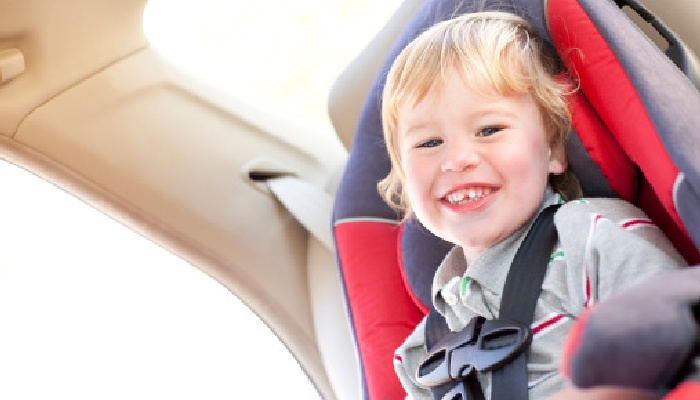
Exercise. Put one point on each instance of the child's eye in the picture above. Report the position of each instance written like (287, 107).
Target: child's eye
(430, 143)
(488, 131)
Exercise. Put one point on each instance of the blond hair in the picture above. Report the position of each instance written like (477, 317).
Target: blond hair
(495, 53)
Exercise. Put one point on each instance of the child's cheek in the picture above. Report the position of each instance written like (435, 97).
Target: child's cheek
(522, 162)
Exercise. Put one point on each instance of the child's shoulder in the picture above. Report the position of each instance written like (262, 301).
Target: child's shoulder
(587, 209)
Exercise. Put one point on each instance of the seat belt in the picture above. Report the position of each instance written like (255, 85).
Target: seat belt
(308, 204)
(520, 293)
(454, 358)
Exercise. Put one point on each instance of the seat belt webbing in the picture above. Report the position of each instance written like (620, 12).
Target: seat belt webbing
(520, 293)
(308, 204)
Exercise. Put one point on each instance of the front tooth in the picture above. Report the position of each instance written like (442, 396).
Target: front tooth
(455, 197)
(470, 194)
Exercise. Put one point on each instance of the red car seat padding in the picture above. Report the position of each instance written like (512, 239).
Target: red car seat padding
(600, 145)
(608, 88)
(685, 391)
(382, 310)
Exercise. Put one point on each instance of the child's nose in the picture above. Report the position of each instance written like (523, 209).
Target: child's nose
(460, 157)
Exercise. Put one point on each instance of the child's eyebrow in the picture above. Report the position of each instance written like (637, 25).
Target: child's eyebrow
(417, 127)
(492, 111)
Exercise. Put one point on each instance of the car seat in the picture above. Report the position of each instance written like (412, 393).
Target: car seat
(635, 137)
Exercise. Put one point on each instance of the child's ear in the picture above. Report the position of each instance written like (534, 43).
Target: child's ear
(557, 160)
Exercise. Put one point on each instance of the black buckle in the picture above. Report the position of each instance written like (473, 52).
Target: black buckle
(483, 345)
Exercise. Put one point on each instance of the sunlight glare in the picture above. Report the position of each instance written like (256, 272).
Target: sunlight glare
(278, 55)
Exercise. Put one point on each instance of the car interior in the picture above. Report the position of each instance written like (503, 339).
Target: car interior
(286, 217)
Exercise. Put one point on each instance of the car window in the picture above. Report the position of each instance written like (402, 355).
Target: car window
(278, 54)
(89, 309)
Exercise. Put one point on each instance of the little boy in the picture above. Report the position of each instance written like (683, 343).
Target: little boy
(475, 121)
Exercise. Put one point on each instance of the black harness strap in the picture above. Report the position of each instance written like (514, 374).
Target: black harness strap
(520, 293)
(435, 329)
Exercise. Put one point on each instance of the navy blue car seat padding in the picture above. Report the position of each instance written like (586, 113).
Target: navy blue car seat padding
(374, 251)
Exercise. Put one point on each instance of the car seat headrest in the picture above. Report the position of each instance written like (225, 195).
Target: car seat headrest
(632, 139)
(634, 89)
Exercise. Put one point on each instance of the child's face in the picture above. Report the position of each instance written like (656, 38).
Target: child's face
(476, 167)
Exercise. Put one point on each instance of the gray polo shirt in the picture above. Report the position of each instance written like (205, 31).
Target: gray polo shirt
(604, 245)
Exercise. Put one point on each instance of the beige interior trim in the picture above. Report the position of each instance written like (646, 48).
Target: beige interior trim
(299, 341)
(169, 157)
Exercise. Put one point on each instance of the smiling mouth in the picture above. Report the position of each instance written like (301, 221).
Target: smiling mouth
(465, 196)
